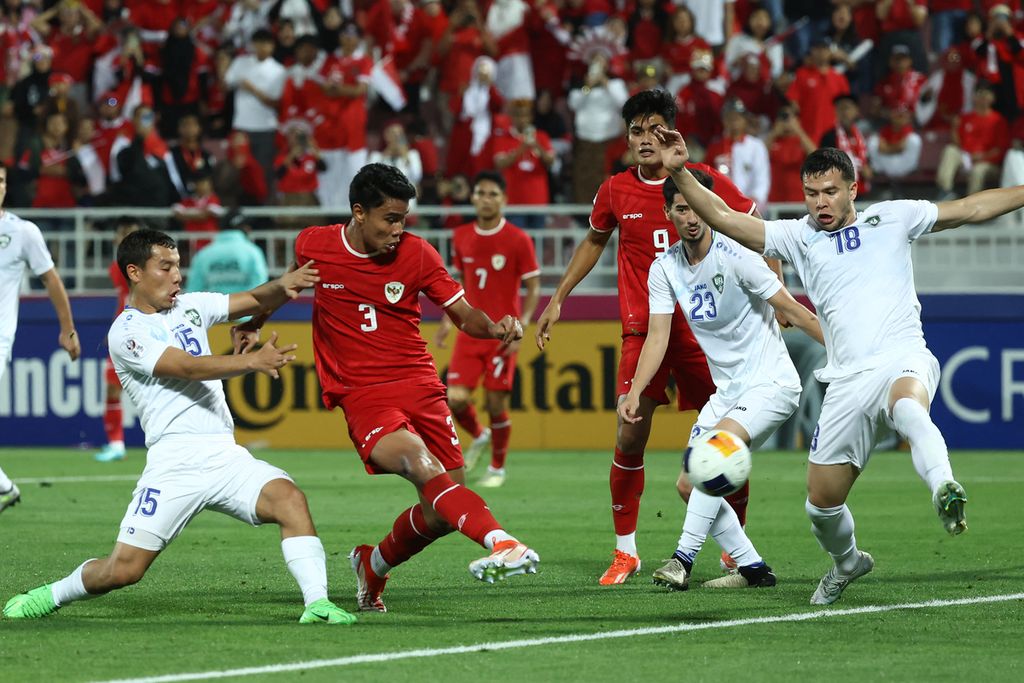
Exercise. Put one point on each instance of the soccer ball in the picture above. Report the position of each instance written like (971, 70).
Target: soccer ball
(717, 463)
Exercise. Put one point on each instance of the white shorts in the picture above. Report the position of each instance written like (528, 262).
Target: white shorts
(856, 407)
(183, 478)
(761, 410)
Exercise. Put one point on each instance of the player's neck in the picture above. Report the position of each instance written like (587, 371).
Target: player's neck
(488, 223)
(652, 172)
(138, 304)
(696, 251)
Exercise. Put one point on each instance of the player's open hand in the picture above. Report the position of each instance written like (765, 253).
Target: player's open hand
(508, 330)
(269, 359)
(299, 279)
(552, 312)
(628, 407)
(69, 342)
(244, 339)
(674, 154)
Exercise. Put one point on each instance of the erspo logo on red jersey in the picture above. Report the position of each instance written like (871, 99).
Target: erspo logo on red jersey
(631, 216)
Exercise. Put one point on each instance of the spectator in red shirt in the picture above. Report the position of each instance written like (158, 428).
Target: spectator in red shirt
(700, 103)
(71, 30)
(846, 135)
(814, 88)
(947, 21)
(979, 142)
(757, 93)
(462, 42)
(946, 94)
(201, 211)
(474, 114)
(239, 178)
(900, 23)
(524, 155)
(60, 100)
(896, 149)
(507, 24)
(1001, 61)
(903, 85)
(788, 146)
(297, 169)
(190, 159)
(217, 107)
(678, 50)
(46, 161)
(402, 31)
(646, 26)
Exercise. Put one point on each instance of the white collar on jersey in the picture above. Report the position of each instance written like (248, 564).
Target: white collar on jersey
(351, 250)
(487, 233)
(647, 181)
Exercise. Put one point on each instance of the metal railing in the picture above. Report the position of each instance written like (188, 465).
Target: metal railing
(981, 258)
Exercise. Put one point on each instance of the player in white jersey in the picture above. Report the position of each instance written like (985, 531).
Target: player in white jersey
(22, 246)
(163, 359)
(729, 297)
(857, 270)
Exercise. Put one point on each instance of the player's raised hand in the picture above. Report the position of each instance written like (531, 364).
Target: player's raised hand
(269, 359)
(674, 154)
(508, 330)
(552, 312)
(299, 279)
(244, 339)
(69, 342)
(628, 407)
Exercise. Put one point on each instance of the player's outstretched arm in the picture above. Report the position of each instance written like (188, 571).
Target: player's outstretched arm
(177, 364)
(797, 314)
(270, 296)
(979, 207)
(744, 228)
(583, 260)
(653, 353)
(475, 323)
(68, 338)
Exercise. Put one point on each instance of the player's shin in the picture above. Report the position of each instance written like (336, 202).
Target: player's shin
(408, 536)
(833, 527)
(464, 510)
(927, 447)
(738, 502)
(307, 562)
(701, 511)
(113, 422)
(71, 588)
(729, 534)
(467, 419)
(626, 481)
(501, 433)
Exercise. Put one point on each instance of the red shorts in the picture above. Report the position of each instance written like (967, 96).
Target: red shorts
(473, 358)
(110, 373)
(683, 359)
(374, 412)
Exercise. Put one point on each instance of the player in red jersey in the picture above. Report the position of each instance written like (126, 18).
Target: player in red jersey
(113, 416)
(633, 201)
(373, 363)
(494, 257)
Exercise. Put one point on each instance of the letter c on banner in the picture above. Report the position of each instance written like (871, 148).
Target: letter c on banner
(946, 385)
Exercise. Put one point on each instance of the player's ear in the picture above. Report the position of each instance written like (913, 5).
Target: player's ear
(853, 190)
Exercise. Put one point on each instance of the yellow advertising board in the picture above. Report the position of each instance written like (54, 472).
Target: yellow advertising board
(564, 398)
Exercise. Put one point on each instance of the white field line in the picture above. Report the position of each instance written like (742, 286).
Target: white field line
(554, 640)
(76, 480)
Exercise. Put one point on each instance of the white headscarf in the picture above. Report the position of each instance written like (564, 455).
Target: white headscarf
(476, 105)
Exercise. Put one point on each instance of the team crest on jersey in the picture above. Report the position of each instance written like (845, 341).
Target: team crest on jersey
(498, 261)
(873, 221)
(194, 317)
(719, 282)
(393, 291)
(133, 348)
(4, 241)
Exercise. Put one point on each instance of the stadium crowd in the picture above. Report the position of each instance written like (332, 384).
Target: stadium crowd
(205, 104)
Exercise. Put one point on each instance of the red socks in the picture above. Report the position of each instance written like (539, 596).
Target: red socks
(408, 536)
(467, 420)
(113, 420)
(501, 432)
(738, 502)
(465, 511)
(627, 484)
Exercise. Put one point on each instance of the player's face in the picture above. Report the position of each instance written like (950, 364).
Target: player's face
(688, 224)
(641, 141)
(488, 200)
(3, 185)
(381, 227)
(829, 199)
(158, 283)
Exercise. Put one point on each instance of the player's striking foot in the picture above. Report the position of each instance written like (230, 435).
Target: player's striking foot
(10, 497)
(34, 604)
(727, 564)
(493, 479)
(369, 586)
(109, 453)
(323, 611)
(472, 455)
(949, 500)
(757, 575)
(832, 584)
(507, 558)
(673, 575)
(622, 567)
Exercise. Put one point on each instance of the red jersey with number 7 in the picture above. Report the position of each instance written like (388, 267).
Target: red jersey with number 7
(366, 310)
(635, 205)
(493, 264)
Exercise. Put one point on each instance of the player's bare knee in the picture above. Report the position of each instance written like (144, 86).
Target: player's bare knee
(457, 403)
(420, 467)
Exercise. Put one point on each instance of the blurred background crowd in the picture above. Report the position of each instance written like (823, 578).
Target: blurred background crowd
(202, 105)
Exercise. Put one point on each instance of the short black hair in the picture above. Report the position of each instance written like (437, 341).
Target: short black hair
(262, 35)
(492, 176)
(647, 103)
(845, 97)
(825, 159)
(127, 221)
(669, 189)
(376, 183)
(137, 248)
(307, 39)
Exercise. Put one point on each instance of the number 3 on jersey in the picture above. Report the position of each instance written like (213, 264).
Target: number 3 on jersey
(370, 314)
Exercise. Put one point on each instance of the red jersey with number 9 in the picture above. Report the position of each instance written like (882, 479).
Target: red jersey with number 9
(635, 205)
(366, 310)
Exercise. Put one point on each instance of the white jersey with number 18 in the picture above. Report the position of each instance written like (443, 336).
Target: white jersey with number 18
(861, 281)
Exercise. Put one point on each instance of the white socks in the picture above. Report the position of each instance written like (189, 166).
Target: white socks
(5, 483)
(927, 447)
(626, 544)
(307, 562)
(712, 515)
(377, 563)
(497, 536)
(731, 536)
(70, 588)
(833, 528)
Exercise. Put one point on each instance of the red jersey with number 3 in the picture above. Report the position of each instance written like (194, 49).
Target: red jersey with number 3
(493, 264)
(636, 206)
(366, 310)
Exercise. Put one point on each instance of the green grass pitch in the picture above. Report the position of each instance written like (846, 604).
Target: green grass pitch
(220, 597)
